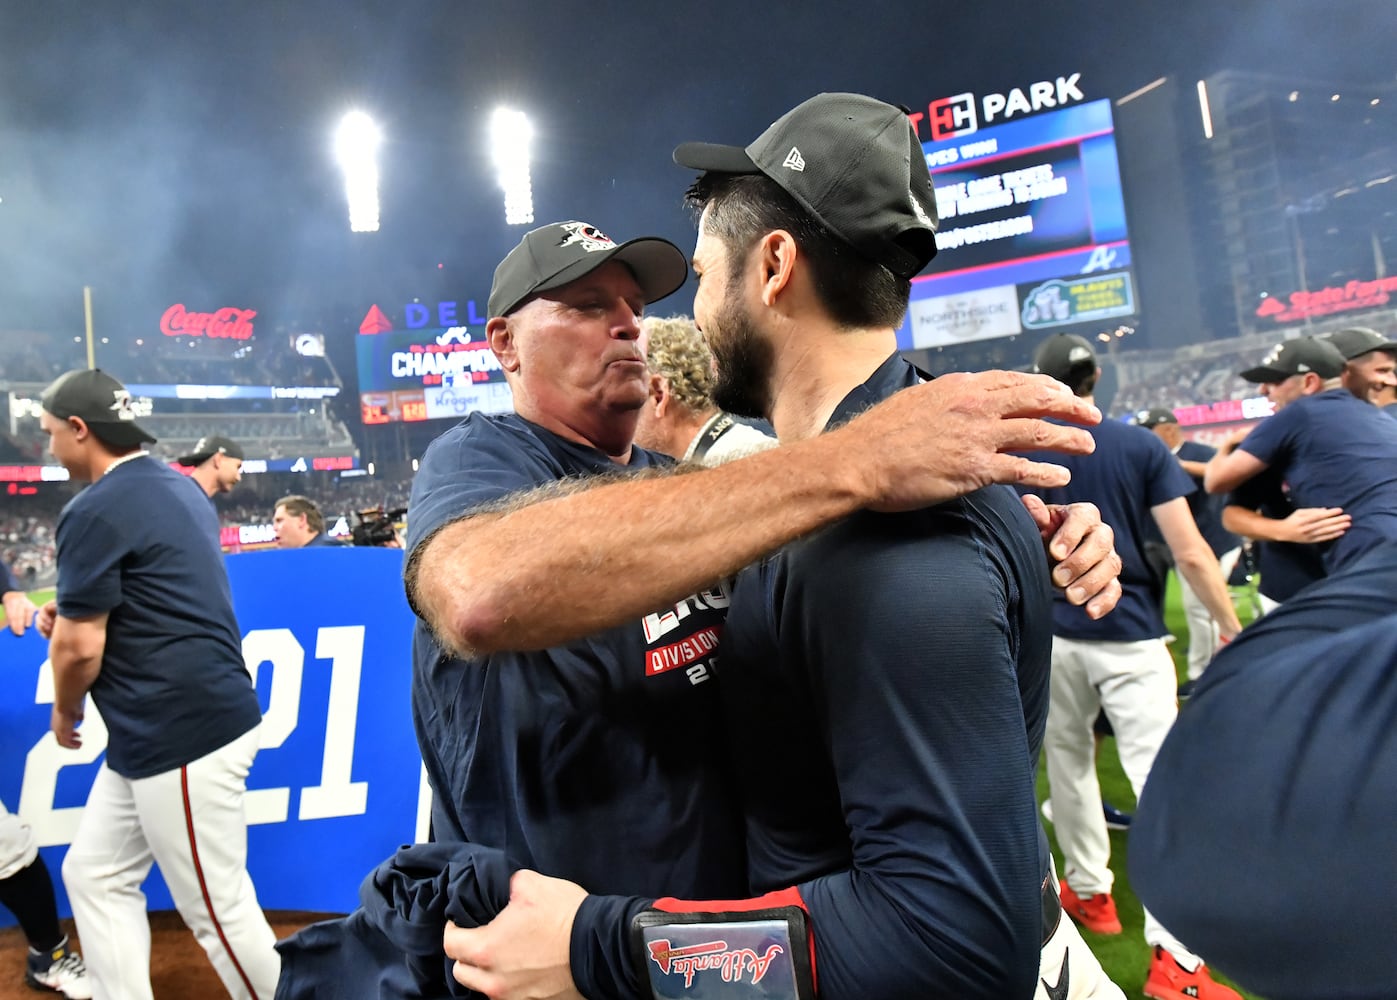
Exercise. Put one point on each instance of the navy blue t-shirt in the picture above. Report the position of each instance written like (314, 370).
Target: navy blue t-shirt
(1131, 472)
(1285, 567)
(1206, 507)
(1289, 747)
(1335, 450)
(600, 760)
(141, 543)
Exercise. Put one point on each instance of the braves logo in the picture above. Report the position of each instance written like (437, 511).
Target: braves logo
(122, 405)
(590, 238)
(732, 963)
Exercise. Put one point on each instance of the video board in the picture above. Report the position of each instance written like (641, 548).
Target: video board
(1033, 231)
(428, 374)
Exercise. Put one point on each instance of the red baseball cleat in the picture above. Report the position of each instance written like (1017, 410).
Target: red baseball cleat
(1096, 913)
(1168, 980)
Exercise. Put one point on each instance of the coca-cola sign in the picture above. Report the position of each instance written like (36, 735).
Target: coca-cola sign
(233, 324)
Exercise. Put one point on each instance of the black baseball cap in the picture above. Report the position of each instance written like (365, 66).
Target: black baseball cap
(553, 255)
(1065, 356)
(1296, 357)
(1155, 416)
(101, 402)
(1357, 341)
(852, 162)
(210, 446)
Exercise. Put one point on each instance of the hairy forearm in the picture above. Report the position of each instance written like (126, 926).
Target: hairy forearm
(75, 670)
(560, 568)
(1241, 521)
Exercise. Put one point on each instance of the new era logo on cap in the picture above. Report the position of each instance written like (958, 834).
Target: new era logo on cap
(854, 164)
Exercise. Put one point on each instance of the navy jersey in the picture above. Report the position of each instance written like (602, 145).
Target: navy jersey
(599, 760)
(885, 685)
(1335, 450)
(1131, 472)
(141, 543)
(1288, 746)
(323, 539)
(1285, 567)
(1206, 507)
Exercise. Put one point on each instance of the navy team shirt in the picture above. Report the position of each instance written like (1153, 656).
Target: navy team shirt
(1206, 507)
(1131, 472)
(600, 760)
(1285, 567)
(1289, 747)
(141, 543)
(1335, 450)
(885, 687)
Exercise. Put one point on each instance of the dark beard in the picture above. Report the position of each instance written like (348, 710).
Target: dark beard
(744, 362)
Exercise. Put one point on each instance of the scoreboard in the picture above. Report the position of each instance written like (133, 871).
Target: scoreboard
(428, 374)
(1033, 231)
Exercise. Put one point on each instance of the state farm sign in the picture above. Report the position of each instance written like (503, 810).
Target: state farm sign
(230, 323)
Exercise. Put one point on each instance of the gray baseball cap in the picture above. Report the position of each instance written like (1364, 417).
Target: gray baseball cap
(1357, 341)
(1296, 357)
(553, 255)
(1155, 416)
(101, 402)
(207, 447)
(1064, 356)
(852, 162)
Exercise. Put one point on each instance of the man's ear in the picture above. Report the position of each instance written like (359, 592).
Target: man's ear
(660, 394)
(776, 254)
(81, 431)
(501, 341)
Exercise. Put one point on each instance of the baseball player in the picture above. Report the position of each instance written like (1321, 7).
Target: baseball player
(1289, 753)
(217, 463)
(1193, 456)
(26, 889)
(1120, 664)
(1332, 449)
(144, 622)
(679, 419)
(1370, 362)
(899, 855)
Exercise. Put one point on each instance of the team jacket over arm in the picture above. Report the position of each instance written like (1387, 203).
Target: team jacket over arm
(547, 755)
(885, 683)
(1288, 747)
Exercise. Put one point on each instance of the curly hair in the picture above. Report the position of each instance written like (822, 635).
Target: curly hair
(678, 352)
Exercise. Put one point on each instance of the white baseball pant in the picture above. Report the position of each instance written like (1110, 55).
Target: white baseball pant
(189, 821)
(1203, 634)
(1135, 683)
(17, 846)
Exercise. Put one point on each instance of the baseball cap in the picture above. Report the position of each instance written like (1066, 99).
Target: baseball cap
(1296, 357)
(101, 402)
(1357, 341)
(553, 255)
(1064, 356)
(852, 162)
(209, 446)
(1155, 416)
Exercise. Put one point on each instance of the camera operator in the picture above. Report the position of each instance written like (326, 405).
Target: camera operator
(378, 528)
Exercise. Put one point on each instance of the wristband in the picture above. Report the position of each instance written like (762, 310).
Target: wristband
(725, 955)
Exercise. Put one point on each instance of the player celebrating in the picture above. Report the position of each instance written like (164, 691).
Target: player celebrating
(144, 621)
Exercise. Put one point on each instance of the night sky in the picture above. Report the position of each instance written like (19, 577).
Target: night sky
(165, 152)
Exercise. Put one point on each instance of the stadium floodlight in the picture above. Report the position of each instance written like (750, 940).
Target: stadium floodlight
(356, 148)
(510, 137)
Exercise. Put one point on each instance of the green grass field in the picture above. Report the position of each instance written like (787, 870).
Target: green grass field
(1125, 957)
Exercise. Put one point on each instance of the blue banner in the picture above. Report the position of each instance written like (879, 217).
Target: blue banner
(337, 785)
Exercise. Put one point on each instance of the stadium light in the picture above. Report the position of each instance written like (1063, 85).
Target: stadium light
(356, 148)
(510, 137)
(1205, 109)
